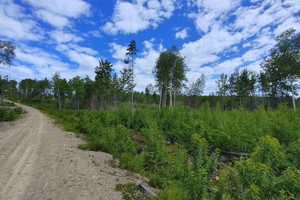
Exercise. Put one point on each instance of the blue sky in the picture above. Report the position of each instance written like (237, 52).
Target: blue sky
(70, 36)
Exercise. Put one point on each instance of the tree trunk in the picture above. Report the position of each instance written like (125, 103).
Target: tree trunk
(174, 102)
(170, 97)
(262, 98)
(165, 98)
(92, 102)
(26, 91)
(160, 99)
(293, 97)
(132, 106)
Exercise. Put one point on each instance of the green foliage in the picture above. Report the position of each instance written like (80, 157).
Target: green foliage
(263, 176)
(10, 115)
(173, 192)
(7, 104)
(7, 52)
(285, 125)
(282, 66)
(292, 153)
(268, 151)
(170, 73)
(177, 149)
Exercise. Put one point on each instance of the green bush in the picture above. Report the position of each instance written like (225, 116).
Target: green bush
(263, 176)
(6, 115)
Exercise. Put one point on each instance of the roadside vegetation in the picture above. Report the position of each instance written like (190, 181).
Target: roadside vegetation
(9, 111)
(243, 142)
(10, 115)
(180, 151)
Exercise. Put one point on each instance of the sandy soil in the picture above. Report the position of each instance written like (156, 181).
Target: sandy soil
(38, 160)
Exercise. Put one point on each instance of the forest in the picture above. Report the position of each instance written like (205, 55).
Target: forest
(240, 142)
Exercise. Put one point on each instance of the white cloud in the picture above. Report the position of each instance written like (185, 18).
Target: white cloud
(181, 34)
(34, 62)
(254, 54)
(11, 9)
(57, 12)
(19, 72)
(251, 26)
(255, 66)
(38, 57)
(15, 25)
(118, 51)
(228, 66)
(137, 16)
(69, 8)
(94, 33)
(84, 60)
(142, 81)
(253, 19)
(291, 22)
(149, 43)
(144, 62)
(51, 18)
(84, 57)
(212, 12)
(63, 37)
(84, 50)
(294, 5)
(205, 49)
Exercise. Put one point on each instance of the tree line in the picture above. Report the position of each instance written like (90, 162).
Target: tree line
(276, 82)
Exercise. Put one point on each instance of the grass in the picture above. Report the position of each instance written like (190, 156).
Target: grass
(11, 115)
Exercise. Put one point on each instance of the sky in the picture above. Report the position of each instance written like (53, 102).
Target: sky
(71, 36)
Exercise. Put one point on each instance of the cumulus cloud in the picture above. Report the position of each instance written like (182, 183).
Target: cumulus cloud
(83, 56)
(205, 49)
(254, 26)
(32, 62)
(181, 34)
(118, 51)
(131, 17)
(229, 35)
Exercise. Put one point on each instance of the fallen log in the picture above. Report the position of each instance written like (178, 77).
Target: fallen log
(236, 153)
(149, 192)
(211, 190)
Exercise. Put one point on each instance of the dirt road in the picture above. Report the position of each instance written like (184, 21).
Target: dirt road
(38, 160)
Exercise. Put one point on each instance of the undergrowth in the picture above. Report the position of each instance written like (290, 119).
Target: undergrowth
(10, 115)
(131, 191)
(179, 150)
